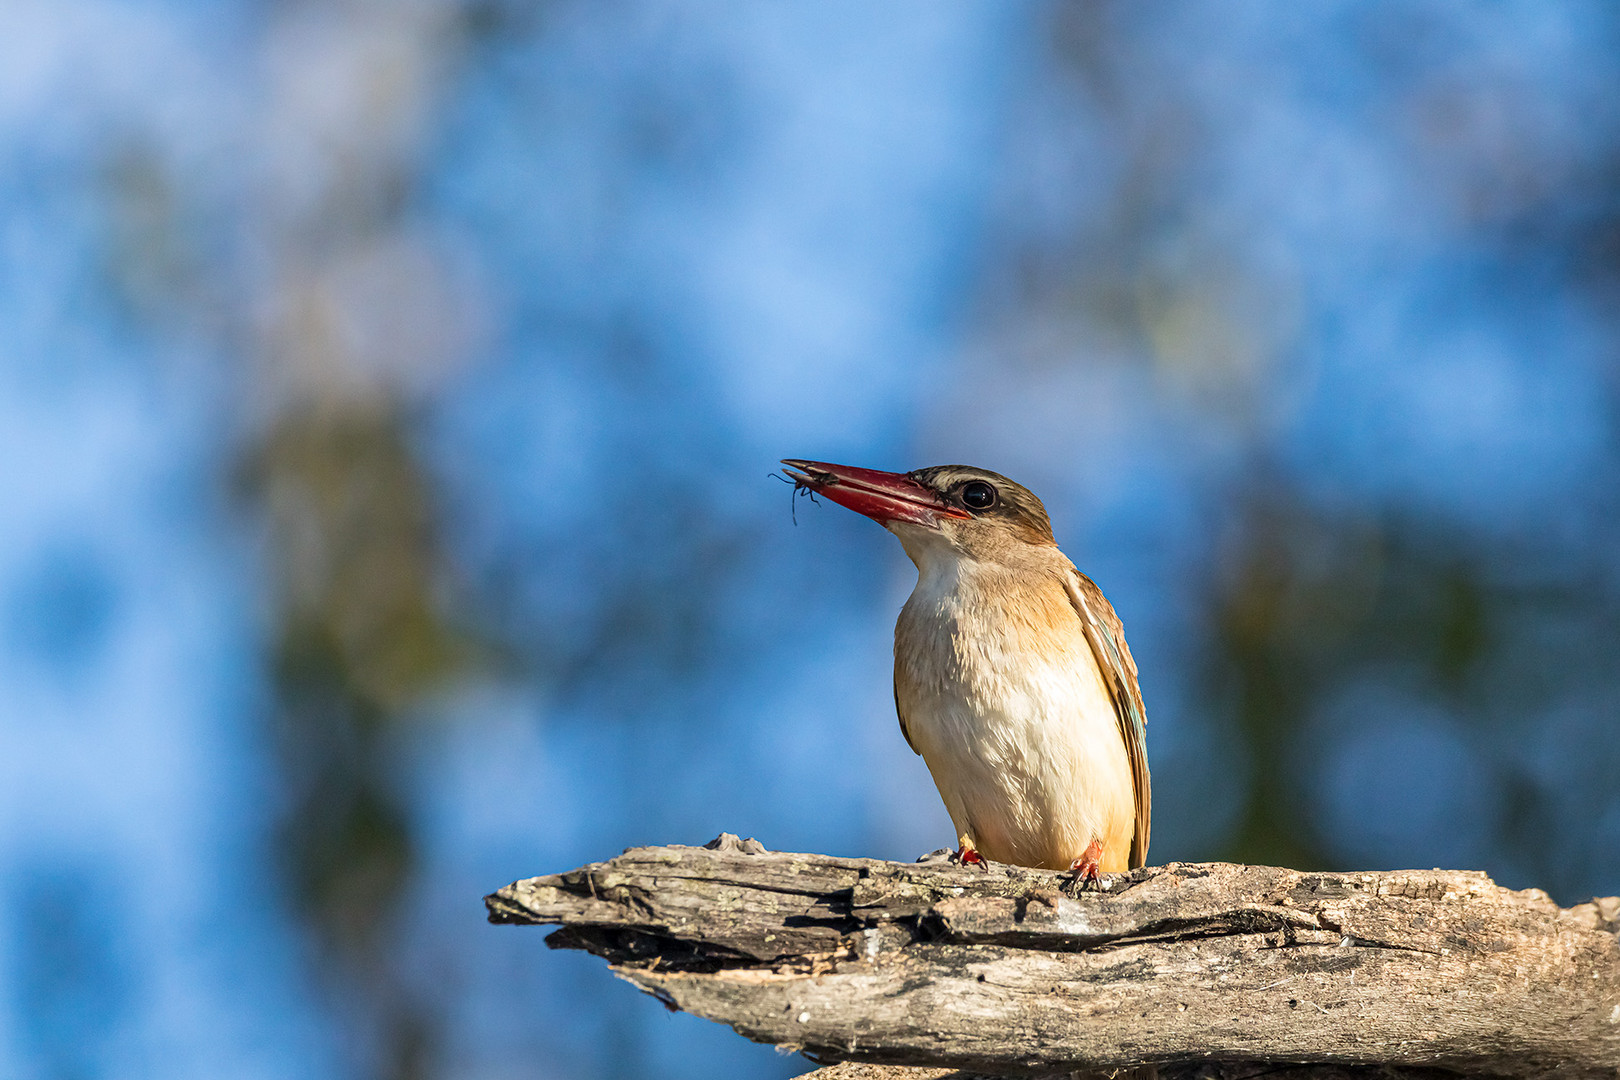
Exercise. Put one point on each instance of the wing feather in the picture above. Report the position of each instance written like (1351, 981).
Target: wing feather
(902, 716)
(1106, 635)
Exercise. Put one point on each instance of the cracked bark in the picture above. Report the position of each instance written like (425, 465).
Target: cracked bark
(1207, 969)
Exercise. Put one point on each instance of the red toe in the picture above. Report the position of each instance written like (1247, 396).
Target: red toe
(1087, 867)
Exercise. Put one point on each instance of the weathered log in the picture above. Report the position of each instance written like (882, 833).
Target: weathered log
(1199, 969)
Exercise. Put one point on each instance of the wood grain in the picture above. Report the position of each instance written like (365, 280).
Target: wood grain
(1197, 969)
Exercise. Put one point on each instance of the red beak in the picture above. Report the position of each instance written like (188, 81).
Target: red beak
(881, 496)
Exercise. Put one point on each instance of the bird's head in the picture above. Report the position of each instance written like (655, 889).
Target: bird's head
(943, 511)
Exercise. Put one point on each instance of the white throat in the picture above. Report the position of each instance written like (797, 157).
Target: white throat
(937, 558)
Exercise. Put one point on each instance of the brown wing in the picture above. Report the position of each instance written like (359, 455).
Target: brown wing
(1106, 635)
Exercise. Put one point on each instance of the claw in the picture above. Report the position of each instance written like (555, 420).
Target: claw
(967, 854)
(1087, 869)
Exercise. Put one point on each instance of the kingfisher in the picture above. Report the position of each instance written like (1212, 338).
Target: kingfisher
(1012, 678)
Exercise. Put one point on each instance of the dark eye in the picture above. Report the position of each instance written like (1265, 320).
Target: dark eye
(978, 495)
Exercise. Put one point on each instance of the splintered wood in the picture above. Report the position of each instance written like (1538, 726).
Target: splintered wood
(1201, 969)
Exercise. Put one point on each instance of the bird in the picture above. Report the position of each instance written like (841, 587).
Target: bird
(1012, 678)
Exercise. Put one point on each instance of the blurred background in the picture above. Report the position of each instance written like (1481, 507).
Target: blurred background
(388, 390)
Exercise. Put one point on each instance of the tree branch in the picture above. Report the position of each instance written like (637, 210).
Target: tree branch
(1206, 968)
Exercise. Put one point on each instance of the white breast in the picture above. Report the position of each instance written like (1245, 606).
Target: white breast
(1002, 697)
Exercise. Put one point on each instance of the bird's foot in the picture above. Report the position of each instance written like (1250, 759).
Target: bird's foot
(968, 855)
(1087, 870)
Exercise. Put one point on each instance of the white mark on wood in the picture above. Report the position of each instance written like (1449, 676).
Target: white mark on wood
(1073, 918)
(804, 1018)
